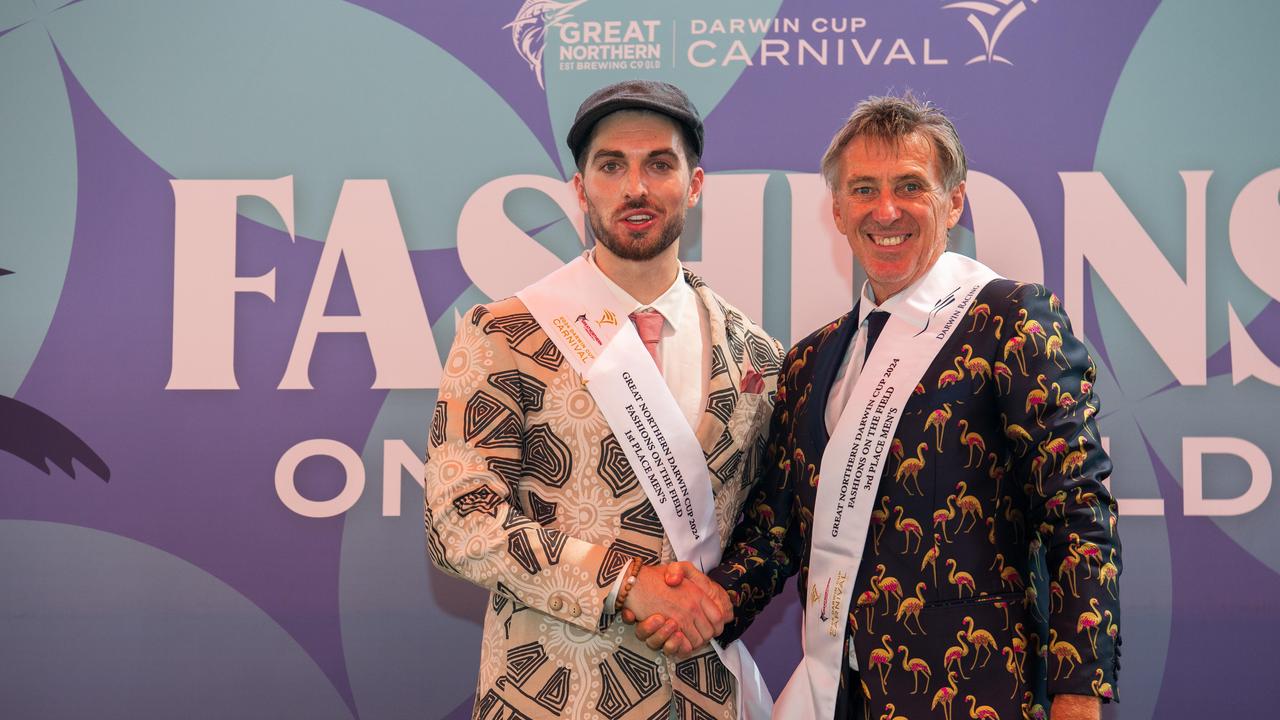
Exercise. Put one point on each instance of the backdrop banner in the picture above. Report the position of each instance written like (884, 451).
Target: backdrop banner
(236, 237)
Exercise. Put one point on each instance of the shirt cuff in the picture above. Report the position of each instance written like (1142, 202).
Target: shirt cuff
(612, 598)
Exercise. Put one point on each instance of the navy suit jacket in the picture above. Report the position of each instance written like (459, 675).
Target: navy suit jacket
(991, 566)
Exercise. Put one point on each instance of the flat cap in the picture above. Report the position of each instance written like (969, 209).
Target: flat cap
(659, 97)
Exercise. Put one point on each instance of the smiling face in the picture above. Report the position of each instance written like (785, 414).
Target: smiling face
(635, 186)
(889, 201)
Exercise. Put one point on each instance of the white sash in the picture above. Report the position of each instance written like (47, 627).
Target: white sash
(588, 324)
(851, 467)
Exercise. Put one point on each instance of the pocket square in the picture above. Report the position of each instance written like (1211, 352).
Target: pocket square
(752, 382)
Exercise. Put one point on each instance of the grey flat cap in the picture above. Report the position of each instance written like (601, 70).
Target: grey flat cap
(659, 97)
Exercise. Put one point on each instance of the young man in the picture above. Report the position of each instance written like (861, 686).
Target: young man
(606, 420)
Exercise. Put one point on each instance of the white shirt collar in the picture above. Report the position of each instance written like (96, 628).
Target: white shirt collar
(868, 303)
(671, 303)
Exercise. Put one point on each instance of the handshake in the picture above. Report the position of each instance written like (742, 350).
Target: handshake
(682, 609)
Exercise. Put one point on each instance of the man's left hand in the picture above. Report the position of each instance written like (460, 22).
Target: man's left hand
(1075, 707)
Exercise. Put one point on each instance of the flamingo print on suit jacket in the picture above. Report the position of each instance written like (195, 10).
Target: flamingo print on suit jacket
(996, 455)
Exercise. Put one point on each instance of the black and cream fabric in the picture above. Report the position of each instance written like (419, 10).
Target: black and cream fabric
(529, 494)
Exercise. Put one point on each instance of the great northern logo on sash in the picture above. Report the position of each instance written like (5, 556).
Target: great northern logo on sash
(920, 323)
(657, 440)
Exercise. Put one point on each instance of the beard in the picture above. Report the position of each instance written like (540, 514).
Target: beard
(636, 246)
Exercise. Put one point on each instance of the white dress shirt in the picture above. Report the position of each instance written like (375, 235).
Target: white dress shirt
(684, 352)
(851, 366)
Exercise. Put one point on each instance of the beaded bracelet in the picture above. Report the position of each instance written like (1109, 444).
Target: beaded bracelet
(632, 572)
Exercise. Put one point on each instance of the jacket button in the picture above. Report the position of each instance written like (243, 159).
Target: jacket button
(575, 611)
(556, 603)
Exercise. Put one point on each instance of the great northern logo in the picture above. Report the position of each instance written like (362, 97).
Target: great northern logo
(1000, 13)
(586, 325)
(813, 597)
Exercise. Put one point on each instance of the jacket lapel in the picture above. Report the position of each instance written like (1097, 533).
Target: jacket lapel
(828, 357)
(726, 372)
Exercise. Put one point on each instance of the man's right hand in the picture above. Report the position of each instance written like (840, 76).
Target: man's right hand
(678, 629)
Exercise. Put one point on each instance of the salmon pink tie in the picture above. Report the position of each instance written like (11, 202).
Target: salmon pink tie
(649, 325)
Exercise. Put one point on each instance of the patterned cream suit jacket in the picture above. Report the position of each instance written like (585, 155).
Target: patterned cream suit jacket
(528, 493)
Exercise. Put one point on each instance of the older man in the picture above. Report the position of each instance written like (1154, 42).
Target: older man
(605, 420)
(934, 472)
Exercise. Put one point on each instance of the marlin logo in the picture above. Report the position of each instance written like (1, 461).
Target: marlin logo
(528, 29)
(822, 613)
(1003, 12)
(586, 325)
(942, 304)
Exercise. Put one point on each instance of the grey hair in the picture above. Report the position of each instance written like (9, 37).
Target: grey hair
(891, 119)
